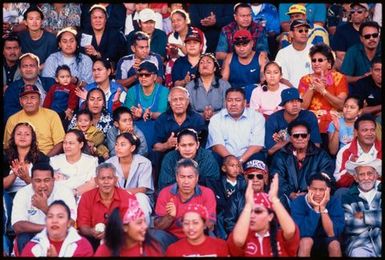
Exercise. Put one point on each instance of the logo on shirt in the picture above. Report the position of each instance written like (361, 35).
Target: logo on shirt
(252, 70)
(251, 248)
(32, 211)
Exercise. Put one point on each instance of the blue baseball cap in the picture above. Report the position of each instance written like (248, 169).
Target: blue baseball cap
(289, 94)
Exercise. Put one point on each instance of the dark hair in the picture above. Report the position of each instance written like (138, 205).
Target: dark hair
(33, 153)
(364, 117)
(217, 71)
(264, 83)
(296, 123)
(241, 5)
(184, 163)
(181, 13)
(119, 111)
(78, 56)
(33, 8)
(358, 99)
(132, 138)
(139, 36)
(62, 67)
(233, 89)
(227, 158)
(273, 234)
(81, 139)
(103, 96)
(63, 204)
(368, 24)
(83, 112)
(376, 59)
(323, 49)
(11, 38)
(187, 131)
(42, 166)
(320, 177)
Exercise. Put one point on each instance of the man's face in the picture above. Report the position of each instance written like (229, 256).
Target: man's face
(296, 16)
(148, 27)
(259, 179)
(141, 49)
(235, 104)
(186, 180)
(318, 189)
(377, 73)
(178, 101)
(244, 49)
(366, 177)
(28, 68)
(42, 181)
(106, 180)
(146, 79)
(30, 103)
(193, 48)
(243, 17)
(358, 14)
(293, 107)
(299, 137)
(300, 34)
(366, 133)
(370, 38)
(11, 51)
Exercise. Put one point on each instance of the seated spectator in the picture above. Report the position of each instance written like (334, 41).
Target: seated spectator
(35, 39)
(298, 50)
(69, 54)
(369, 88)
(243, 67)
(257, 226)
(11, 54)
(267, 96)
(363, 210)
(96, 205)
(94, 136)
(21, 154)
(358, 58)
(129, 235)
(236, 129)
(320, 218)
(124, 123)
(174, 199)
(60, 15)
(101, 71)
(257, 172)
(46, 122)
(30, 208)
(196, 243)
(58, 238)
(364, 145)
(207, 90)
(96, 103)
(61, 96)
(242, 21)
(297, 161)
(13, 17)
(108, 43)
(127, 67)
(132, 17)
(230, 182)
(276, 135)
(323, 91)
(158, 38)
(188, 147)
(336, 14)
(340, 130)
(29, 69)
(75, 168)
(316, 13)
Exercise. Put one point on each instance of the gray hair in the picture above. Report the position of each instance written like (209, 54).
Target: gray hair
(187, 163)
(105, 165)
(183, 89)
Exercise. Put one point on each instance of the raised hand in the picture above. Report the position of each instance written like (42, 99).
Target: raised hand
(51, 251)
(171, 141)
(171, 208)
(273, 192)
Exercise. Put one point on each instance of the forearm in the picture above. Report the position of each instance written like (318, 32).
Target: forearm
(57, 149)
(220, 55)
(86, 231)
(333, 142)
(161, 147)
(372, 109)
(284, 219)
(241, 228)
(307, 98)
(221, 150)
(250, 151)
(180, 83)
(136, 190)
(327, 224)
(336, 102)
(9, 180)
(353, 79)
(126, 83)
(163, 222)
(26, 226)
(276, 147)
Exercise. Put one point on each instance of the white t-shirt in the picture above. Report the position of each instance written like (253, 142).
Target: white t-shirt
(267, 100)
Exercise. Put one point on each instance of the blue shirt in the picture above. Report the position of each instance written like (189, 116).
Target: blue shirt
(268, 16)
(42, 47)
(356, 63)
(346, 133)
(345, 37)
(181, 67)
(157, 44)
(314, 12)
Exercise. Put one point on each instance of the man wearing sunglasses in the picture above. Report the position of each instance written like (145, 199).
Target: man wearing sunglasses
(297, 161)
(357, 62)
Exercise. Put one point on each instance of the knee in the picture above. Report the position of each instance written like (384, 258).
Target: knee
(334, 248)
(306, 241)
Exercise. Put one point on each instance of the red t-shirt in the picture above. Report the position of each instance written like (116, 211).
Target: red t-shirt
(203, 196)
(150, 250)
(252, 246)
(211, 247)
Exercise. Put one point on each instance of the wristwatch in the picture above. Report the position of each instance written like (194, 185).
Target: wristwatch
(325, 211)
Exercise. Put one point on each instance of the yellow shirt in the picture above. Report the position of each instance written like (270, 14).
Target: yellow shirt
(46, 122)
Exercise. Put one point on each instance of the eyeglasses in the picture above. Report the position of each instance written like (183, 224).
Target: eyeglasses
(303, 135)
(303, 30)
(145, 75)
(251, 176)
(319, 60)
(368, 36)
(359, 11)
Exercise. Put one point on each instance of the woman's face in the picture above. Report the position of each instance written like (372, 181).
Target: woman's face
(136, 230)
(100, 73)
(351, 109)
(123, 147)
(272, 74)
(68, 43)
(23, 136)
(178, 22)
(98, 20)
(193, 226)
(95, 102)
(188, 147)
(260, 219)
(71, 145)
(57, 222)
(320, 64)
(206, 66)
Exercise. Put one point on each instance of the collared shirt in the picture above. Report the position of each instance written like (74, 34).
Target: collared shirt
(9, 72)
(237, 135)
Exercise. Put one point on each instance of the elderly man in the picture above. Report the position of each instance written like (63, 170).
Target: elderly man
(363, 210)
(236, 129)
(31, 203)
(297, 161)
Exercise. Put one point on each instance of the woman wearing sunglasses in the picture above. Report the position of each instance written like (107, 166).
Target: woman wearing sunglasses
(325, 90)
(256, 232)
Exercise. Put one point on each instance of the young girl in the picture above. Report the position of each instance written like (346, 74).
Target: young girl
(61, 96)
(94, 136)
(341, 129)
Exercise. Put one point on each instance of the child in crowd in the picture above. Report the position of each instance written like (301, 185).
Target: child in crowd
(341, 129)
(94, 136)
(61, 96)
(123, 122)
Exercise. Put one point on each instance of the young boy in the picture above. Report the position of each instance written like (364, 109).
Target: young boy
(123, 122)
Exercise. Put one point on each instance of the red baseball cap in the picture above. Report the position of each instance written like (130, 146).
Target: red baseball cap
(242, 36)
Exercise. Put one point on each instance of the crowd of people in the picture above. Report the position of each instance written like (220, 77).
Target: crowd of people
(191, 129)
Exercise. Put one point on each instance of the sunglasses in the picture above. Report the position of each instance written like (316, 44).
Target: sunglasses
(319, 60)
(359, 11)
(296, 136)
(303, 30)
(251, 176)
(368, 36)
(145, 75)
